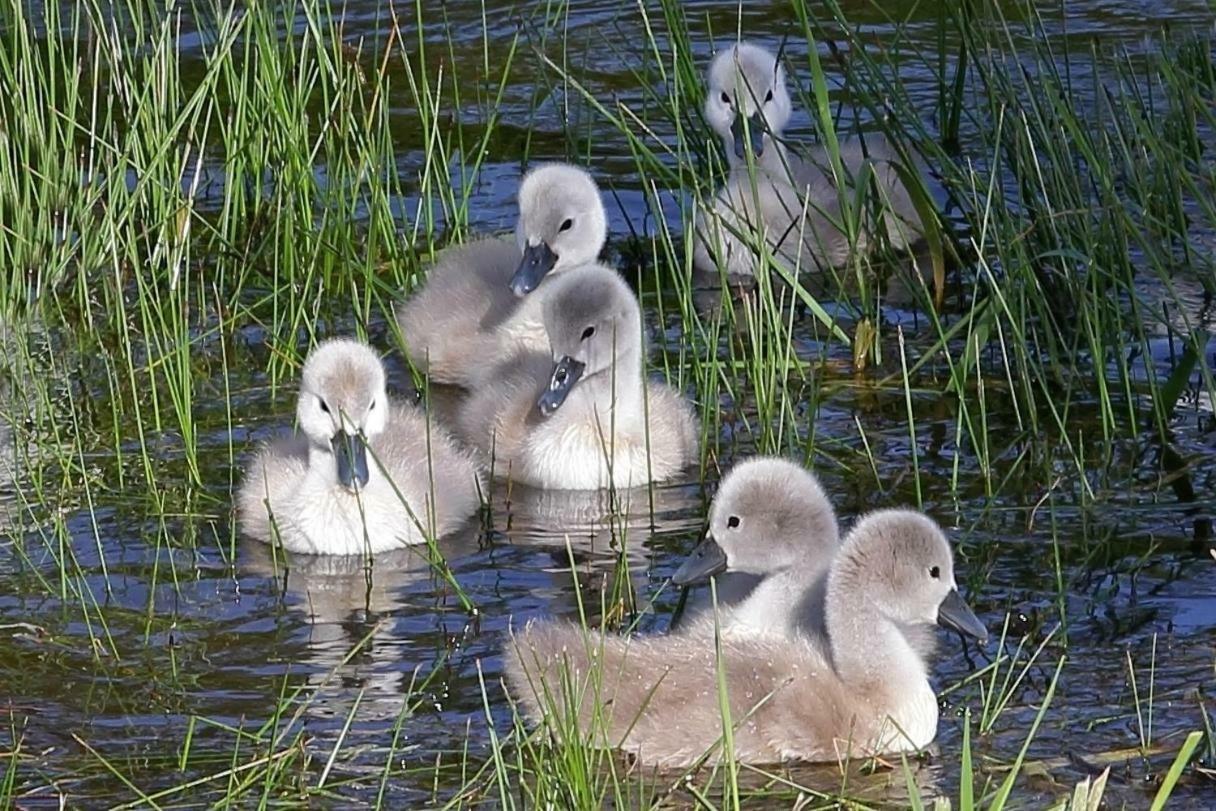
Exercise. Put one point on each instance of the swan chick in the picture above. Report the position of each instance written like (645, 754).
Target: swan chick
(868, 693)
(581, 415)
(363, 474)
(748, 102)
(771, 518)
(792, 199)
(562, 224)
(469, 316)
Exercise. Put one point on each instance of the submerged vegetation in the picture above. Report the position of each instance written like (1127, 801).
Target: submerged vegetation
(192, 194)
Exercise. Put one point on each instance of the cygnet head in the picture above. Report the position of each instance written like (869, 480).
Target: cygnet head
(343, 402)
(901, 562)
(595, 331)
(769, 514)
(747, 84)
(561, 223)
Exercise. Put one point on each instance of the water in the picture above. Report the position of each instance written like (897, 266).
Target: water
(192, 622)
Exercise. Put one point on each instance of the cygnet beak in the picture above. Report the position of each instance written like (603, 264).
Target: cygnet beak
(537, 261)
(954, 613)
(566, 373)
(351, 453)
(704, 562)
(753, 133)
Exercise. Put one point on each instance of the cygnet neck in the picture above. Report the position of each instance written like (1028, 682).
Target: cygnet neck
(776, 158)
(774, 602)
(866, 645)
(615, 391)
(321, 463)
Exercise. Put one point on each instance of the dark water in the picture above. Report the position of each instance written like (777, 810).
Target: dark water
(124, 613)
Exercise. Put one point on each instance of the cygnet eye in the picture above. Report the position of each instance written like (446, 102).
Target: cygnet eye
(935, 572)
(725, 97)
(768, 97)
(588, 332)
(372, 407)
(324, 405)
(566, 225)
(733, 521)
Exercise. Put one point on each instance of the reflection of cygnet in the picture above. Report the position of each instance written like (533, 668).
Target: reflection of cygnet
(364, 475)
(866, 694)
(582, 415)
(594, 531)
(554, 513)
(792, 200)
(348, 602)
(482, 301)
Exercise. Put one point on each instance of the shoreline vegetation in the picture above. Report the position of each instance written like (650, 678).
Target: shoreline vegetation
(190, 189)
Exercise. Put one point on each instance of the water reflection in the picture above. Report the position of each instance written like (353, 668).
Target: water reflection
(594, 548)
(372, 631)
(354, 651)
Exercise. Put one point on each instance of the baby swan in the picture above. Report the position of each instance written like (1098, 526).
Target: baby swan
(472, 313)
(749, 106)
(581, 415)
(867, 694)
(319, 493)
(771, 518)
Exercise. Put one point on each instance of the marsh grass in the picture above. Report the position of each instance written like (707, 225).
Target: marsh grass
(174, 215)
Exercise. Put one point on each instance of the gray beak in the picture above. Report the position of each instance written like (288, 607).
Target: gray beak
(565, 374)
(702, 563)
(351, 452)
(754, 132)
(954, 613)
(538, 260)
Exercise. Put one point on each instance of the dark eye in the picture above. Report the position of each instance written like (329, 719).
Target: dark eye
(768, 97)
(588, 332)
(725, 98)
(560, 377)
(733, 521)
(935, 572)
(372, 406)
(566, 225)
(324, 405)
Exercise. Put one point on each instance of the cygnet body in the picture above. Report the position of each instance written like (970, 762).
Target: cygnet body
(769, 518)
(792, 200)
(363, 474)
(482, 301)
(790, 700)
(582, 415)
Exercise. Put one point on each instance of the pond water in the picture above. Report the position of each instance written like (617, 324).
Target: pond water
(125, 613)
